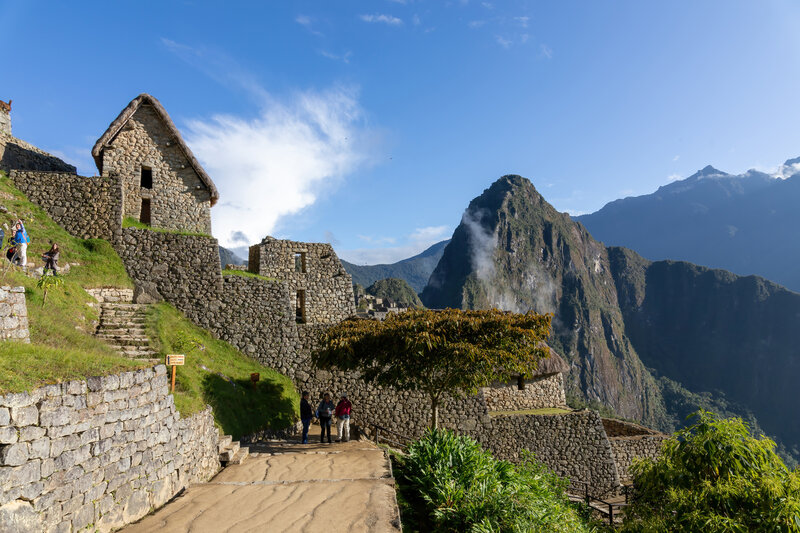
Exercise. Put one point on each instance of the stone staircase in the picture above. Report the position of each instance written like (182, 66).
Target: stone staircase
(230, 452)
(123, 327)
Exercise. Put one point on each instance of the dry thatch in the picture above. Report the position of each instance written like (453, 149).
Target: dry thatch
(551, 365)
(122, 119)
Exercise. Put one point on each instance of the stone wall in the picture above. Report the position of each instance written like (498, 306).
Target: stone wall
(310, 267)
(17, 154)
(85, 207)
(13, 314)
(5, 121)
(111, 295)
(539, 393)
(179, 200)
(183, 269)
(573, 445)
(625, 449)
(104, 451)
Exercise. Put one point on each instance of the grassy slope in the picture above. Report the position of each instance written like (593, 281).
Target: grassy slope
(224, 383)
(63, 346)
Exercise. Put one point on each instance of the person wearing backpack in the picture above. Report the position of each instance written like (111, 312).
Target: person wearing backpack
(20, 240)
(342, 413)
(325, 413)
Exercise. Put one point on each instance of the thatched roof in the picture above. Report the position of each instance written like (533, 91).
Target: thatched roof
(551, 365)
(122, 119)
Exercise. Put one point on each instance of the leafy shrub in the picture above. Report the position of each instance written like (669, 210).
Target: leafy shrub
(448, 483)
(713, 476)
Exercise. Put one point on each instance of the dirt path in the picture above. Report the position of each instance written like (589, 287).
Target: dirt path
(288, 486)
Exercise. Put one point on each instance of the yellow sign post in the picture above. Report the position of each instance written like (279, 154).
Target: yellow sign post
(174, 360)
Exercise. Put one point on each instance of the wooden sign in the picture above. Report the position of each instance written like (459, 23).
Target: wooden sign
(175, 359)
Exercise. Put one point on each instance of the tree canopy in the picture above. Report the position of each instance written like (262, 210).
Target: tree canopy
(438, 352)
(714, 476)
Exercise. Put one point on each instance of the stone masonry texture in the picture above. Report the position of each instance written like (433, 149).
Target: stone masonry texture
(17, 154)
(13, 314)
(179, 200)
(99, 453)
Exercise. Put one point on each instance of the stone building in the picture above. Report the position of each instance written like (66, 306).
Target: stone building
(321, 289)
(544, 389)
(163, 184)
(5, 117)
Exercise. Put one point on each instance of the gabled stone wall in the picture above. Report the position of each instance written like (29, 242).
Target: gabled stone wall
(89, 208)
(539, 393)
(310, 267)
(104, 452)
(179, 200)
(5, 120)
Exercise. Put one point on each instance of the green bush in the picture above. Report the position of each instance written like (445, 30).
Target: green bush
(713, 476)
(448, 483)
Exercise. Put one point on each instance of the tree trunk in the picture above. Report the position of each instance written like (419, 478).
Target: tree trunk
(434, 413)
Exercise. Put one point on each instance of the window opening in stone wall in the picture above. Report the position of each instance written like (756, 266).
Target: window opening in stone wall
(300, 262)
(147, 178)
(301, 307)
(144, 214)
(520, 383)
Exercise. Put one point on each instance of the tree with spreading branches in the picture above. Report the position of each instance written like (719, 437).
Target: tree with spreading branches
(439, 353)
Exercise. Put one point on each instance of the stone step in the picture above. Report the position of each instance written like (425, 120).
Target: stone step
(224, 442)
(228, 453)
(115, 330)
(139, 323)
(120, 341)
(240, 456)
(123, 305)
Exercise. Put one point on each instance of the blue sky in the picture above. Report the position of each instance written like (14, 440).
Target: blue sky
(372, 124)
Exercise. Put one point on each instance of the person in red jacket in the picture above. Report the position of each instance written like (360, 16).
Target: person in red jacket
(342, 413)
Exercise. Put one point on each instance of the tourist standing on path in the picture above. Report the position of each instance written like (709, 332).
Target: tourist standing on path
(306, 414)
(342, 413)
(21, 241)
(324, 413)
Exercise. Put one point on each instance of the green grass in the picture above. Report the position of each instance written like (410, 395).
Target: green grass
(543, 411)
(239, 409)
(130, 222)
(28, 366)
(99, 266)
(244, 274)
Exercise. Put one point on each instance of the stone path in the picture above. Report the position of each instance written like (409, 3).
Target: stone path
(122, 325)
(286, 486)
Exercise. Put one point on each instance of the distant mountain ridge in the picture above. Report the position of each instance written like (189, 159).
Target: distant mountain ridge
(746, 223)
(415, 270)
(652, 340)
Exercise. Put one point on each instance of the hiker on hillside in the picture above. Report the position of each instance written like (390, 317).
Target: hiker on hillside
(20, 240)
(342, 413)
(50, 259)
(324, 413)
(306, 414)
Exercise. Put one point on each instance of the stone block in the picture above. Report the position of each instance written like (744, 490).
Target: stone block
(14, 454)
(40, 448)
(5, 416)
(30, 433)
(8, 435)
(29, 472)
(20, 517)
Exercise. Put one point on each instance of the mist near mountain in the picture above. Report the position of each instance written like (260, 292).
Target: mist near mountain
(651, 340)
(746, 223)
(415, 270)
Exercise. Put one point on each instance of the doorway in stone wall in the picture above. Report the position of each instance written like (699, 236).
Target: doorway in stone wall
(301, 307)
(144, 214)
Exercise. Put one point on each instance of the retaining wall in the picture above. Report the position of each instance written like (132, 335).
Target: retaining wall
(546, 391)
(17, 154)
(100, 452)
(86, 207)
(625, 449)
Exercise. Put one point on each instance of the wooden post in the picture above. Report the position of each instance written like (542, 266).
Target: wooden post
(173, 378)
(174, 360)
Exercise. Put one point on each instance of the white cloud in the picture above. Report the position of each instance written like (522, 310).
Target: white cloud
(505, 43)
(377, 240)
(676, 158)
(384, 19)
(673, 177)
(417, 241)
(279, 161)
(416, 20)
(476, 23)
(545, 51)
(344, 58)
(487, 5)
(306, 22)
(523, 21)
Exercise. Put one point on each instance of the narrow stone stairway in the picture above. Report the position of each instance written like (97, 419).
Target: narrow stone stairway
(231, 452)
(123, 326)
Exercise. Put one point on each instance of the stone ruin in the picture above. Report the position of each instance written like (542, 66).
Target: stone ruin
(278, 317)
(5, 117)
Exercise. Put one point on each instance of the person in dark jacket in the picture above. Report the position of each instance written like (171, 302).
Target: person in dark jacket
(325, 413)
(50, 259)
(306, 414)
